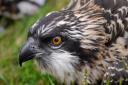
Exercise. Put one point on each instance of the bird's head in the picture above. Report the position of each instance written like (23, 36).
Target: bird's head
(55, 43)
(62, 41)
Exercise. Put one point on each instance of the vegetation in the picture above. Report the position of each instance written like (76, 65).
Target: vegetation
(10, 43)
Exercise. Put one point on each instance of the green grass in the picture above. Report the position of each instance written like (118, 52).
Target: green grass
(10, 43)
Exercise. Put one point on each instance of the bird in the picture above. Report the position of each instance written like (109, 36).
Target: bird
(15, 9)
(12, 10)
(86, 43)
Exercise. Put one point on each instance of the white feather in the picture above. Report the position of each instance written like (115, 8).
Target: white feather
(61, 65)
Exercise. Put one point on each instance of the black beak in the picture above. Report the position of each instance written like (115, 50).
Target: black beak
(27, 53)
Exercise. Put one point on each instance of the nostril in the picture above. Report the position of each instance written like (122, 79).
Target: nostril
(33, 46)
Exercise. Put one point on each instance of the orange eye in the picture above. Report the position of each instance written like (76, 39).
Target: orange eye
(56, 40)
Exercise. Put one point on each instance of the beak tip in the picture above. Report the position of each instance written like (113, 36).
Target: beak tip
(20, 62)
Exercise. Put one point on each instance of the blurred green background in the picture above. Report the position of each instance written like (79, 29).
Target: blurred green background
(10, 43)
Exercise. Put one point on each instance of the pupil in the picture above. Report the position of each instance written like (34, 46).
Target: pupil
(56, 40)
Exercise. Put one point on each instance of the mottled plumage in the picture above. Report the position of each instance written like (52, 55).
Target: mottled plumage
(94, 47)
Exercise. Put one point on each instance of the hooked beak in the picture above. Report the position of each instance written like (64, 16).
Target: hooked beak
(27, 53)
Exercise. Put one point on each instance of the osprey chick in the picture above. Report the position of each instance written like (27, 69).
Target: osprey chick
(16, 9)
(85, 42)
